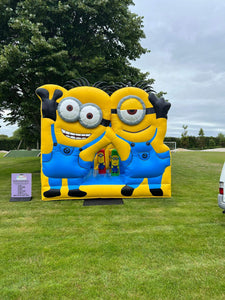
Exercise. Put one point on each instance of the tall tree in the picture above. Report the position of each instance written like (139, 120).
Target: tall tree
(201, 138)
(184, 137)
(53, 41)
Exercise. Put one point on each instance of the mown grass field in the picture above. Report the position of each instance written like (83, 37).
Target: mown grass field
(146, 249)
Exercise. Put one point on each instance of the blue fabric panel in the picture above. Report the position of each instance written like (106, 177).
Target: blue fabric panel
(55, 183)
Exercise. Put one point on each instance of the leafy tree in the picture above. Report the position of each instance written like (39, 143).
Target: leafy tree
(53, 41)
(212, 143)
(3, 137)
(201, 133)
(201, 138)
(184, 137)
(185, 132)
(221, 139)
(18, 134)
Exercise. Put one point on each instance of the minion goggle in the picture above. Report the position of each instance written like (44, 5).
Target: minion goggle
(89, 115)
(132, 116)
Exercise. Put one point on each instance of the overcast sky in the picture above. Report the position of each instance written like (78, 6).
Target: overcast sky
(187, 60)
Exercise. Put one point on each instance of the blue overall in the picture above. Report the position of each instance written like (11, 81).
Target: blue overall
(115, 169)
(144, 162)
(101, 166)
(64, 162)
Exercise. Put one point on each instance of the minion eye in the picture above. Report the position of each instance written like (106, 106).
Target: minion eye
(90, 115)
(131, 115)
(69, 109)
(132, 111)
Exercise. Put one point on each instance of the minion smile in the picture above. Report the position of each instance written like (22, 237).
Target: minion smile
(76, 136)
(137, 131)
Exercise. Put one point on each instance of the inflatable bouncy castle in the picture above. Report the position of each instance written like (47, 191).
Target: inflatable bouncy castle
(96, 144)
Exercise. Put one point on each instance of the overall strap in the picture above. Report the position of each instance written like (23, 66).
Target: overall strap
(153, 136)
(53, 134)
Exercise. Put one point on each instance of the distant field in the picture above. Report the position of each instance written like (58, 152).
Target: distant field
(23, 153)
(145, 249)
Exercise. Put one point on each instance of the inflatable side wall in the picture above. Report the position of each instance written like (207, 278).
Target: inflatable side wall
(98, 146)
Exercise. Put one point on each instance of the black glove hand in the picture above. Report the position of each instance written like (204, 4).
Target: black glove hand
(49, 106)
(160, 105)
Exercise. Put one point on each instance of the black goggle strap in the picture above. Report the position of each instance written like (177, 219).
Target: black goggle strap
(105, 122)
(149, 111)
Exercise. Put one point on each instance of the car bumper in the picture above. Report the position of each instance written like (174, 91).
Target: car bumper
(221, 201)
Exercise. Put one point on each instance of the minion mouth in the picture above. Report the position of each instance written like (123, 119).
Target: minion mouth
(76, 136)
(137, 131)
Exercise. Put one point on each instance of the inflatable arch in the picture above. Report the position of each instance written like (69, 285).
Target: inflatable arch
(98, 146)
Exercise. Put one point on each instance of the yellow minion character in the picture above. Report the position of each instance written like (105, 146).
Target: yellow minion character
(114, 163)
(139, 122)
(101, 161)
(74, 123)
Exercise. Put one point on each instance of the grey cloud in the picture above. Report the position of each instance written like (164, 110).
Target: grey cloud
(187, 42)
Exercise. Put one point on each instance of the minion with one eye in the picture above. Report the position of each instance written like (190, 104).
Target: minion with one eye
(139, 122)
(73, 127)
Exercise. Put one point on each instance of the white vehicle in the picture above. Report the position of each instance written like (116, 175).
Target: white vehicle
(221, 195)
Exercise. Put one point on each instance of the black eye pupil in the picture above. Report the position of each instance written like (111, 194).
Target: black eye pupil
(89, 116)
(132, 111)
(69, 107)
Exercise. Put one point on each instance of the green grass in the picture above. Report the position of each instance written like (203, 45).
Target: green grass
(23, 153)
(146, 249)
(1, 154)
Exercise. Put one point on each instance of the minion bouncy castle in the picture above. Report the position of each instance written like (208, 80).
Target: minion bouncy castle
(98, 146)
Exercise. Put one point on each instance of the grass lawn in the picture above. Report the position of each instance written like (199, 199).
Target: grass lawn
(146, 249)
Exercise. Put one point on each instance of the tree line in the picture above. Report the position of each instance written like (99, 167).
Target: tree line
(21, 141)
(197, 142)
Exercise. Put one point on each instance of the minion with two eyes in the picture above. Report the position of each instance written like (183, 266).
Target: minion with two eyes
(74, 123)
(139, 122)
(101, 161)
(114, 163)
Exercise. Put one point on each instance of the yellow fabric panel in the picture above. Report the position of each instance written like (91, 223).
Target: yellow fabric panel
(111, 191)
(124, 92)
(131, 103)
(46, 140)
(136, 133)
